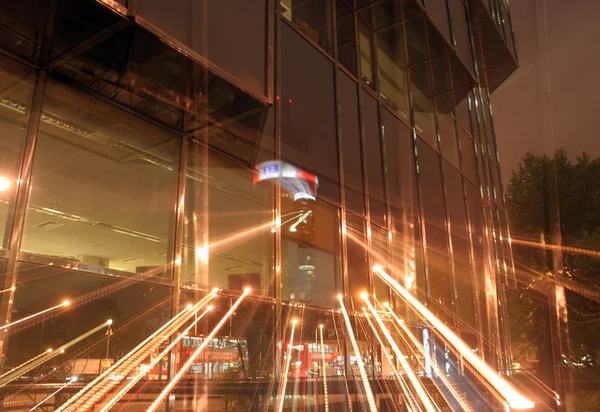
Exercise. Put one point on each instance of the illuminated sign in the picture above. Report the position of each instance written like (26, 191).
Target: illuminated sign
(301, 184)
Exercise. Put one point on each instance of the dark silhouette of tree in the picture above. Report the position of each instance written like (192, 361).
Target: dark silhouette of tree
(556, 200)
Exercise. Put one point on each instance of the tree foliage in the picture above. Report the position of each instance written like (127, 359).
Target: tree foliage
(555, 200)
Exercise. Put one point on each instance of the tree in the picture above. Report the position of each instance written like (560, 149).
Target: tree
(553, 199)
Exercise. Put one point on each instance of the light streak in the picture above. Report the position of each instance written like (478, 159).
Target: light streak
(359, 360)
(459, 398)
(65, 303)
(505, 389)
(26, 363)
(558, 248)
(92, 385)
(400, 356)
(184, 368)
(115, 398)
(286, 370)
(300, 219)
(135, 357)
(51, 395)
(324, 370)
(8, 290)
(409, 396)
(9, 377)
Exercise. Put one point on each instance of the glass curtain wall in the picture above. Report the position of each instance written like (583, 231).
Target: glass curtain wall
(129, 174)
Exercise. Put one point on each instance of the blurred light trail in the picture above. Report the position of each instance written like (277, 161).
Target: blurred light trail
(8, 290)
(62, 305)
(286, 369)
(505, 389)
(300, 219)
(25, 363)
(324, 370)
(558, 248)
(421, 393)
(116, 397)
(11, 376)
(52, 394)
(459, 398)
(93, 392)
(359, 360)
(184, 368)
(409, 396)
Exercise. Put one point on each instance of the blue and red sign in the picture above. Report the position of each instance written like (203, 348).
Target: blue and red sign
(301, 184)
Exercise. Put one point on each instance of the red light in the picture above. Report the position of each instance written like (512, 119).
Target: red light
(277, 97)
(290, 100)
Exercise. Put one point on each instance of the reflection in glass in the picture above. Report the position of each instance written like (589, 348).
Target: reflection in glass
(308, 131)
(358, 270)
(227, 238)
(310, 252)
(311, 17)
(103, 186)
(366, 56)
(345, 36)
(424, 113)
(374, 159)
(433, 200)
(16, 88)
(350, 121)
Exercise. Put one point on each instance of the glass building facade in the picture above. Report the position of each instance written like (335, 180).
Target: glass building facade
(132, 131)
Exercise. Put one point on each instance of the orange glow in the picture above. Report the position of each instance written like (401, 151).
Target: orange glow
(506, 390)
(359, 360)
(101, 384)
(116, 397)
(324, 369)
(400, 356)
(184, 368)
(286, 369)
(409, 396)
(8, 325)
(459, 398)
(560, 248)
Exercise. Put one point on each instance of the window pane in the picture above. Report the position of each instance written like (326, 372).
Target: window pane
(366, 56)
(448, 138)
(308, 111)
(224, 209)
(437, 10)
(458, 218)
(440, 286)
(16, 88)
(103, 186)
(433, 201)
(358, 271)
(137, 309)
(392, 81)
(401, 175)
(310, 252)
(379, 239)
(460, 29)
(424, 113)
(241, 52)
(353, 173)
(374, 159)
(467, 146)
(465, 304)
(311, 17)
(345, 36)
(462, 114)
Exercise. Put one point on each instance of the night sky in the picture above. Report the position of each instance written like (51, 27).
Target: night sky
(552, 100)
